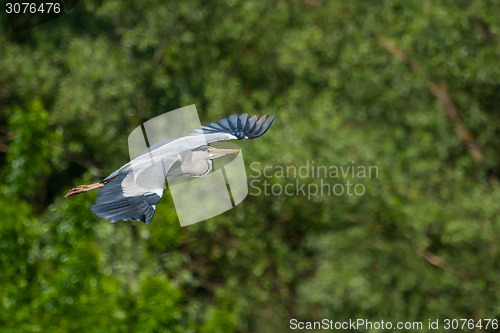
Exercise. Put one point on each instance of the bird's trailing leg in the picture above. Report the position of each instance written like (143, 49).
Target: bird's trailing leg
(83, 188)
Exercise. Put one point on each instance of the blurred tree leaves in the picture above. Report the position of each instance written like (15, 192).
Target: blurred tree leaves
(31, 150)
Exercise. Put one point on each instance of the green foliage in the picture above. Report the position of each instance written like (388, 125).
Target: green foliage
(409, 87)
(30, 151)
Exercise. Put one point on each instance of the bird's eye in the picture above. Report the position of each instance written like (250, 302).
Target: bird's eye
(209, 150)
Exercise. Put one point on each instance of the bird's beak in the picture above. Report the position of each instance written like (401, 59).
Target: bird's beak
(222, 152)
(217, 152)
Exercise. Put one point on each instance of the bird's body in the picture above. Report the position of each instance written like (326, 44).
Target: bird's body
(134, 190)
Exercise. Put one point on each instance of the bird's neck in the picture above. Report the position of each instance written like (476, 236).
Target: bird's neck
(197, 169)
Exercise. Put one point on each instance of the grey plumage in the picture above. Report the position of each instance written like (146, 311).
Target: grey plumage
(134, 190)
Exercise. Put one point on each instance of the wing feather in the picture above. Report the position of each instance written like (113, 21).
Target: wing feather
(134, 193)
(234, 128)
(244, 121)
(265, 126)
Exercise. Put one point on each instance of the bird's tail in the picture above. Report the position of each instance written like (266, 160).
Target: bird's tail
(83, 188)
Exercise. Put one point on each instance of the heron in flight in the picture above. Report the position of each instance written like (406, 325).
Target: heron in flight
(133, 191)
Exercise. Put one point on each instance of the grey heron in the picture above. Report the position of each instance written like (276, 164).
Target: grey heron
(134, 190)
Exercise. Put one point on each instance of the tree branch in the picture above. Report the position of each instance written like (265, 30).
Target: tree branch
(442, 94)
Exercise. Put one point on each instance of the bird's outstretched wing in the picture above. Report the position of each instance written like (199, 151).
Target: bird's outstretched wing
(235, 127)
(133, 194)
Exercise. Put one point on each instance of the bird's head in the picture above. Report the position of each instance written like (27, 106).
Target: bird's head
(210, 153)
